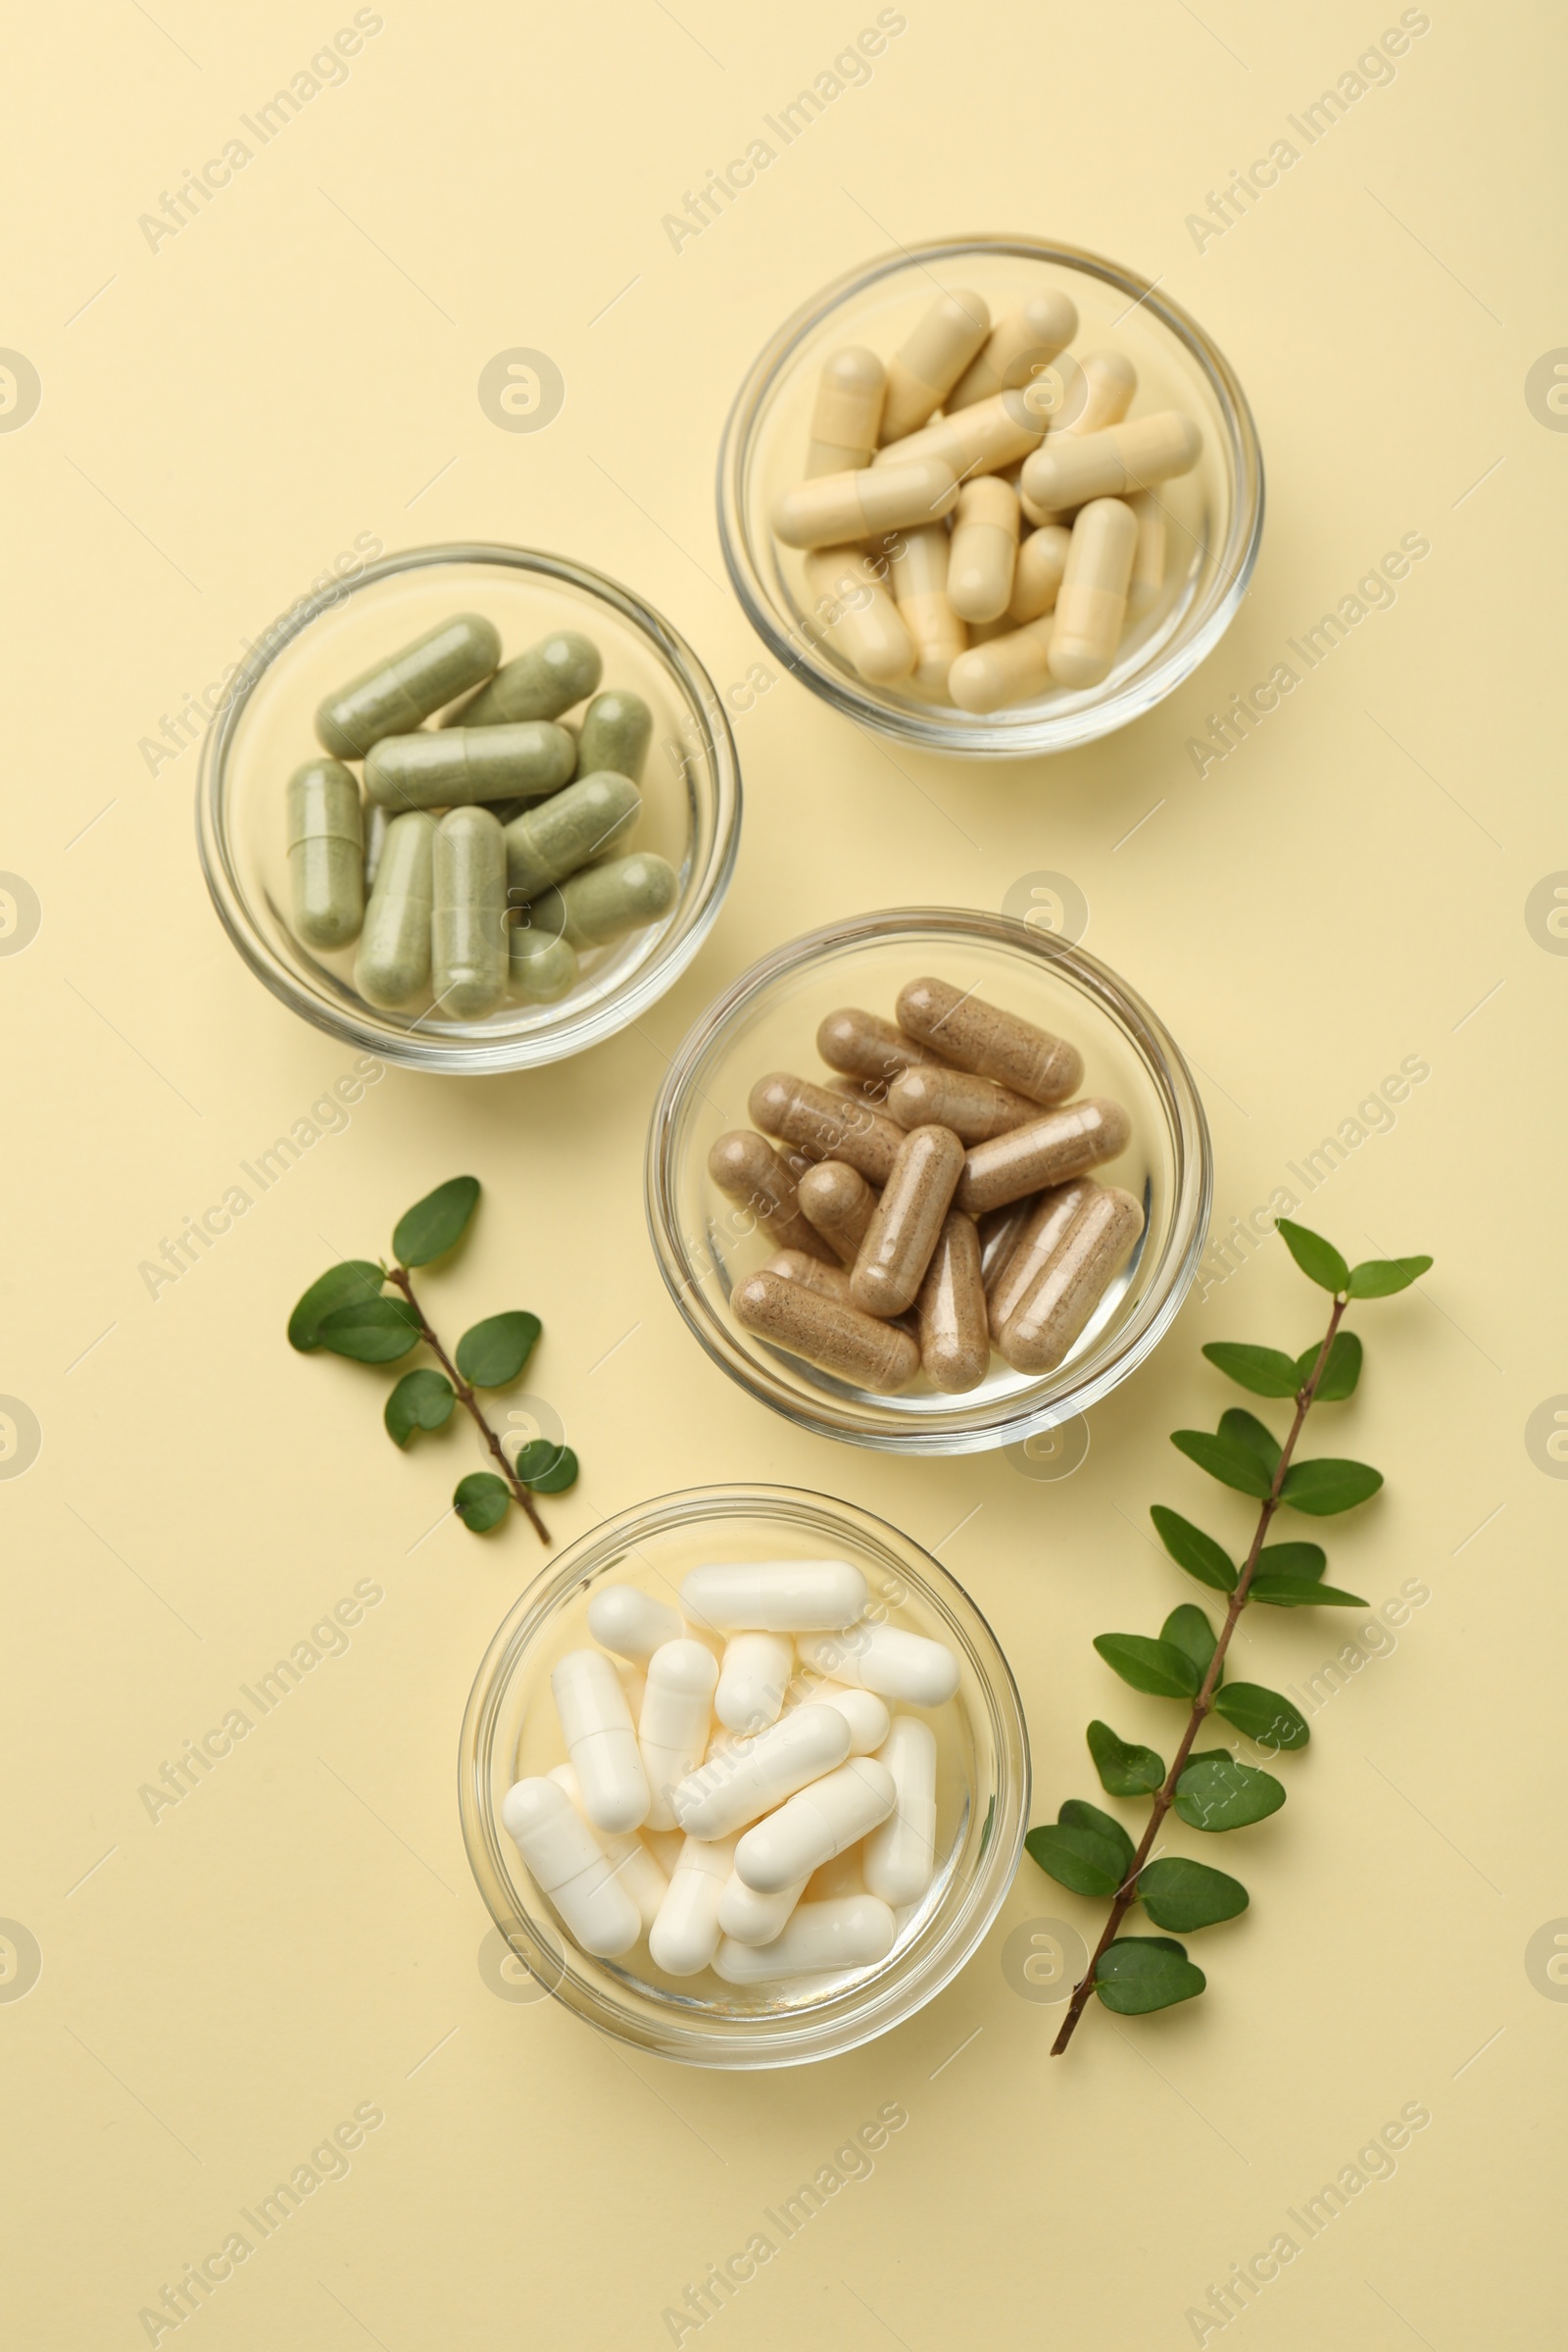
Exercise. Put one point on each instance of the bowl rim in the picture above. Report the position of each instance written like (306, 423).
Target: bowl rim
(993, 736)
(477, 1055)
(1067, 1394)
(792, 2038)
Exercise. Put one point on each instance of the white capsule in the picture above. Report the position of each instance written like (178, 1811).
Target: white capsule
(631, 1623)
(752, 1918)
(631, 1864)
(854, 1931)
(755, 1676)
(733, 1789)
(775, 1596)
(596, 1724)
(672, 1727)
(685, 1935)
(817, 1823)
(865, 1714)
(886, 1659)
(901, 1855)
(568, 1864)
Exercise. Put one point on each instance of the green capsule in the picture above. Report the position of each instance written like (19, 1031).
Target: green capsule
(325, 854)
(542, 968)
(451, 770)
(551, 841)
(601, 902)
(616, 731)
(541, 683)
(468, 922)
(392, 965)
(400, 693)
(376, 821)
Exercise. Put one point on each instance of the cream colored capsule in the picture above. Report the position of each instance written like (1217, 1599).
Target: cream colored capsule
(1100, 396)
(1149, 556)
(1038, 573)
(1072, 467)
(863, 503)
(631, 1864)
(755, 1676)
(1044, 1226)
(853, 1931)
(887, 1659)
(903, 1233)
(839, 1201)
(672, 1722)
(865, 1714)
(749, 1918)
(1092, 602)
(1019, 348)
(955, 1341)
(984, 549)
(930, 359)
(1063, 1143)
(866, 625)
(568, 1863)
(848, 412)
(919, 572)
(856, 1348)
(994, 433)
(901, 1856)
(1008, 669)
(814, 1825)
(738, 1786)
(684, 1938)
(1044, 1326)
(993, 1043)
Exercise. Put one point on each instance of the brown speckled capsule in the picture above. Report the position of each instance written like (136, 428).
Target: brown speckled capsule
(999, 1230)
(980, 1037)
(903, 1229)
(837, 1338)
(1063, 1143)
(863, 1046)
(747, 1167)
(829, 1281)
(955, 1341)
(1039, 1234)
(975, 1108)
(830, 1126)
(1043, 1328)
(839, 1203)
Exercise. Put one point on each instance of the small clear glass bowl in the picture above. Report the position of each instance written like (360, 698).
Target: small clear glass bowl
(1215, 512)
(510, 1731)
(767, 1020)
(691, 794)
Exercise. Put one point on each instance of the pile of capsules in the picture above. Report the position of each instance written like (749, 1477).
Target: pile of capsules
(705, 1835)
(501, 806)
(989, 429)
(965, 1197)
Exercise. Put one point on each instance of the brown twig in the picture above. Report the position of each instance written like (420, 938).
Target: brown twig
(398, 1276)
(1164, 1797)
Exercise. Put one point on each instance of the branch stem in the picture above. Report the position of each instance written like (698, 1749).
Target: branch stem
(1165, 1795)
(398, 1276)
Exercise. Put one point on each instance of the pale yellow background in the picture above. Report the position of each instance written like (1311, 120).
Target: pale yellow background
(220, 420)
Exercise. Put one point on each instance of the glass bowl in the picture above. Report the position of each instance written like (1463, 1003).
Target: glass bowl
(510, 1730)
(691, 811)
(767, 1020)
(1215, 512)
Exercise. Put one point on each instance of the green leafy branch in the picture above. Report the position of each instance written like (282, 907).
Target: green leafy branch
(366, 1311)
(1087, 1850)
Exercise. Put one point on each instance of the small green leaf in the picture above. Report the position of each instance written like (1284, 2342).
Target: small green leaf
(1380, 1277)
(1215, 1792)
(493, 1352)
(371, 1331)
(1187, 1629)
(1301, 1593)
(1075, 1858)
(545, 1468)
(1124, 1770)
(1340, 1374)
(1245, 1429)
(481, 1500)
(1264, 1370)
(1263, 1716)
(1184, 1896)
(1223, 1459)
(1158, 1667)
(1291, 1559)
(1317, 1259)
(1323, 1488)
(347, 1285)
(420, 1401)
(1191, 1550)
(1138, 1974)
(433, 1225)
(1076, 1814)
